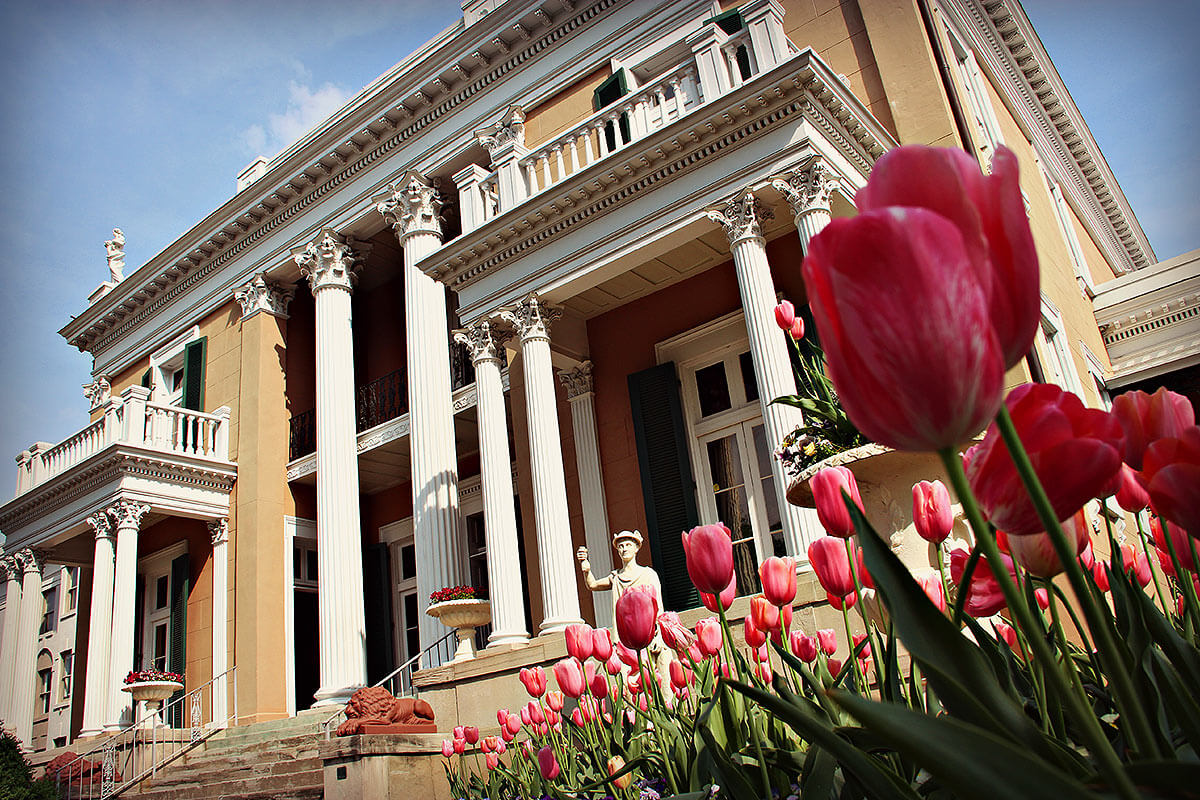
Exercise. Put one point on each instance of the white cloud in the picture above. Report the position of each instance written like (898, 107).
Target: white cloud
(306, 108)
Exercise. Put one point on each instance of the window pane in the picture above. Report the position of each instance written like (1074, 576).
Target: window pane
(749, 383)
(712, 389)
(733, 508)
(297, 564)
(408, 561)
(725, 463)
(162, 592)
(312, 564)
(159, 660)
(412, 635)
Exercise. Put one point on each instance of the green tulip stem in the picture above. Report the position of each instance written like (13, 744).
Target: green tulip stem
(658, 702)
(1099, 623)
(1158, 590)
(859, 681)
(1076, 702)
(868, 628)
(941, 568)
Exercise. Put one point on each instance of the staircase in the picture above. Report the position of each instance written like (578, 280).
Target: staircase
(276, 760)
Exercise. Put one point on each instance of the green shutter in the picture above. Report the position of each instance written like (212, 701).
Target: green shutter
(667, 484)
(607, 93)
(729, 21)
(193, 375)
(146, 379)
(139, 622)
(181, 578)
(377, 594)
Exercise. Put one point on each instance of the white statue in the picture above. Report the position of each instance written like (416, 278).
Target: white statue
(115, 247)
(625, 577)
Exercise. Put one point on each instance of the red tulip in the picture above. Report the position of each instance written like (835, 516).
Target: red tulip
(1172, 472)
(1042, 597)
(548, 763)
(932, 516)
(932, 585)
(1036, 553)
(778, 577)
(827, 637)
(860, 569)
(678, 676)
(501, 716)
(1100, 574)
(725, 598)
(903, 316)
(829, 560)
(785, 315)
(764, 613)
(1074, 451)
(1179, 538)
(513, 724)
(534, 679)
(460, 746)
(1136, 565)
(536, 716)
(599, 686)
(835, 666)
(526, 718)
(989, 214)
(1006, 632)
(447, 748)
(489, 744)
(1131, 495)
(579, 641)
(709, 553)
(492, 761)
(859, 638)
(625, 655)
(709, 636)
(1086, 558)
(984, 597)
(636, 612)
(1146, 418)
(569, 674)
(797, 331)
(674, 634)
(555, 700)
(785, 618)
(459, 732)
(601, 643)
(755, 637)
(827, 487)
(471, 734)
(804, 647)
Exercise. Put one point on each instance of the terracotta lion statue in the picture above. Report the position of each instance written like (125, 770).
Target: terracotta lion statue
(374, 710)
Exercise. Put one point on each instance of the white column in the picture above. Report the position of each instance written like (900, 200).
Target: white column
(808, 190)
(764, 19)
(127, 518)
(768, 347)
(11, 571)
(95, 692)
(25, 662)
(582, 399)
(495, 475)
(505, 142)
(412, 209)
(331, 269)
(560, 603)
(219, 531)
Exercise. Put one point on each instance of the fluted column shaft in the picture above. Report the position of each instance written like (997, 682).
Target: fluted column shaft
(219, 530)
(25, 662)
(495, 474)
(95, 692)
(768, 349)
(808, 190)
(412, 208)
(8, 646)
(560, 602)
(329, 265)
(582, 400)
(127, 518)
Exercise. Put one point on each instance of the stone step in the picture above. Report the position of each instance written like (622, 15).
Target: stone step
(229, 770)
(302, 783)
(262, 742)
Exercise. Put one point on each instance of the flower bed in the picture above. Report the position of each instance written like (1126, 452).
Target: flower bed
(147, 675)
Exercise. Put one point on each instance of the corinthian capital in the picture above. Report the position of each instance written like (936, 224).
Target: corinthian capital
(328, 260)
(411, 206)
(9, 570)
(482, 340)
(578, 380)
(218, 529)
(530, 318)
(97, 392)
(101, 524)
(508, 131)
(30, 560)
(740, 217)
(808, 188)
(128, 513)
(261, 294)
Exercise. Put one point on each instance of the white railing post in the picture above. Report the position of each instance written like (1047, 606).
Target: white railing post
(37, 463)
(24, 472)
(768, 42)
(221, 438)
(710, 62)
(133, 431)
(471, 206)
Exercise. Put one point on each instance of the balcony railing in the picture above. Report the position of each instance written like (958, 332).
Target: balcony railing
(132, 420)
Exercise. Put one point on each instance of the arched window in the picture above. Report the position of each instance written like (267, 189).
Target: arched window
(45, 680)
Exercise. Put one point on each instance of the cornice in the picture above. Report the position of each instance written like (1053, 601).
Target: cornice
(399, 105)
(803, 87)
(1003, 37)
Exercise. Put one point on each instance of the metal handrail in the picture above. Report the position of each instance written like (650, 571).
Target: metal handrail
(125, 747)
(328, 725)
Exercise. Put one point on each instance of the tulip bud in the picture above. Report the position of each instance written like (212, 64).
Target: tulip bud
(636, 612)
(601, 643)
(865, 652)
(932, 516)
(1006, 632)
(778, 577)
(471, 734)
(709, 553)
(797, 330)
(548, 763)
(785, 315)
(804, 647)
(722, 601)
(678, 677)
(835, 666)
(570, 676)
(827, 487)
(447, 748)
(599, 686)
(501, 716)
(554, 701)
(579, 641)
(501, 747)
(828, 639)
(460, 745)
(534, 680)
(1042, 597)
(709, 636)
(754, 636)
(525, 717)
(615, 765)
(459, 732)
(764, 614)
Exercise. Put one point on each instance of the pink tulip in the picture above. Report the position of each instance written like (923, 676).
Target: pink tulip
(548, 763)
(984, 597)
(754, 636)
(858, 639)
(988, 212)
(471, 734)
(678, 676)
(785, 315)
(1036, 553)
(778, 577)
(1074, 451)
(460, 745)
(1179, 539)
(827, 487)
(828, 558)
(447, 748)
(725, 598)
(613, 665)
(501, 716)
(1006, 632)
(889, 289)
(827, 637)
(804, 647)
(1146, 418)
(1172, 472)
(1100, 574)
(599, 686)
(709, 553)
(1086, 558)
(492, 761)
(525, 716)
(536, 716)
(636, 612)
(797, 329)
(489, 744)
(932, 516)
(459, 732)
(577, 718)
(601, 643)
(555, 700)
(709, 636)
(932, 585)
(765, 615)
(501, 747)
(534, 680)
(579, 641)
(569, 674)
(1131, 495)
(1137, 565)
(674, 634)
(513, 724)
(1042, 597)
(785, 618)
(835, 666)
(553, 717)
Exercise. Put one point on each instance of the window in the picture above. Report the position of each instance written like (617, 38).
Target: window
(304, 563)
(45, 678)
(985, 127)
(1066, 227)
(70, 580)
(49, 611)
(176, 374)
(67, 658)
(1054, 351)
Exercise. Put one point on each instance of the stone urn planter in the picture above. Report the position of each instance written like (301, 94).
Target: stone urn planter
(885, 478)
(152, 694)
(464, 616)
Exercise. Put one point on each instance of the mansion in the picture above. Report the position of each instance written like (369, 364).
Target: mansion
(515, 296)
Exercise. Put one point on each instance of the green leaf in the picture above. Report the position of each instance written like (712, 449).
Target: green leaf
(969, 760)
(1181, 706)
(731, 778)
(818, 774)
(1174, 779)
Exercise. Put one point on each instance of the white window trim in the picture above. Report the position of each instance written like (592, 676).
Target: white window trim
(1062, 213)
(1096, 370)
(293, 528)
(1056, 348)
(165, 361)
(975, 91)
(156, 563)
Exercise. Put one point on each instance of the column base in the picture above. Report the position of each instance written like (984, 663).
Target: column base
(557, 625)
(500, 638)
(335, 697)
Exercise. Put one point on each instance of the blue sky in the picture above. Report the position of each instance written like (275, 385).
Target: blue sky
(140, 114)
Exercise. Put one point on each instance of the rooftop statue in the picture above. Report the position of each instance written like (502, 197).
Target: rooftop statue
(115, 247)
